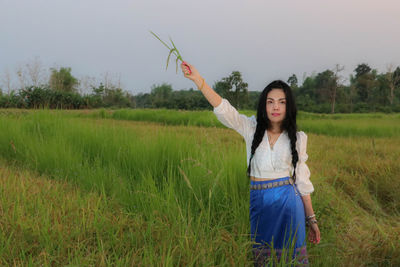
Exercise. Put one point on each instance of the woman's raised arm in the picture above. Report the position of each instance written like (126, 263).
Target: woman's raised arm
(213, 98)
(225, 112)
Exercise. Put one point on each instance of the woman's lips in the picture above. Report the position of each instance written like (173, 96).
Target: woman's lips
(275, 114)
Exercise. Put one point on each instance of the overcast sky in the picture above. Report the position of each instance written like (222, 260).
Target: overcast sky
(264, 40)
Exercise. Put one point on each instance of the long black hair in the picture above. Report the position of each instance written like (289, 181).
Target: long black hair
(289, 122)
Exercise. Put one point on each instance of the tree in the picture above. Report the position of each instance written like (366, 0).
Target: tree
(21, 77)
(7, 80)
(96, 98)
(365, 80)
(324, 82)
(327, 84)
(306, 95)
(393, 80)
(36, 96)
(234, 89)
(86, 84)
(335, 84)
(382, 91)
(62, 80)
(292, 80)
(161, 95)
(36, 72)
(115, 97)
(362, 69)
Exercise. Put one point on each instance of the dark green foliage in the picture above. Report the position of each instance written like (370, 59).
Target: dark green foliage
(234, 89)
(368, 91)
(62, 80)
(293, 82)
(161, 95)
(36, 97)
(42, 97)
(12, 100)
(362, 69)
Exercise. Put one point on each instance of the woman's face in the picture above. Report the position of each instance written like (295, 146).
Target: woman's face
(276, 105)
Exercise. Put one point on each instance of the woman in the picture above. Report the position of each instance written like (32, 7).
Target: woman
(280, 188)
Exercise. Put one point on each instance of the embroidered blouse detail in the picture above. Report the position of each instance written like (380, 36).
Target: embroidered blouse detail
(267, 162)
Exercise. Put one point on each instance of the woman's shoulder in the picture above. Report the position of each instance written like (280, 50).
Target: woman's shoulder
(301, 134)
(301, 139)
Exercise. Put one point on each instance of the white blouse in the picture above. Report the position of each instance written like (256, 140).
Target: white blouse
(267, 162)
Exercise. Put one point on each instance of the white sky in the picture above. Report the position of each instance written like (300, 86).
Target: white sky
(264, 40)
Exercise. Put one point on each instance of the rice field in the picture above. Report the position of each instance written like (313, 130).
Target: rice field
(169, 188)
(371, 125)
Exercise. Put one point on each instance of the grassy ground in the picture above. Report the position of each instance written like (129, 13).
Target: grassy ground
(369, 125)
(372, 124)
(52, 223)
(119, 193)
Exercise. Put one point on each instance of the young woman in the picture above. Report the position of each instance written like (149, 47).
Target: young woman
(280, 188)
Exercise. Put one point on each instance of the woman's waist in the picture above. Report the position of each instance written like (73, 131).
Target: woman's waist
(258, 179)
(257, 175)
(261, 179)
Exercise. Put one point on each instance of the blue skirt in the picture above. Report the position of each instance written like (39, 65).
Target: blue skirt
(277, 222)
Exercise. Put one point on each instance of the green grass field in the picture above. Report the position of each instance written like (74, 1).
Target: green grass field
(372, 124)
(147, 187)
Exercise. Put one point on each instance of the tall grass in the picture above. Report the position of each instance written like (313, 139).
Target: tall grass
(49, 223)
(158, 173)
(370, 125)
(346, 125)
(186, 189)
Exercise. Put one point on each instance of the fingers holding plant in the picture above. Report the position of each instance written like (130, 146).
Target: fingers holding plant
(189, 71)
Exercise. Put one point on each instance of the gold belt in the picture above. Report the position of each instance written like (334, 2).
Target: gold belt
(271, 184)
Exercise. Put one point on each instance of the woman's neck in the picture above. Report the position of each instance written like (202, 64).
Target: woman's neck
(275, 128)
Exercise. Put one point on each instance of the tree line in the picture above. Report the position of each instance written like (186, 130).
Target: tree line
(323, 92)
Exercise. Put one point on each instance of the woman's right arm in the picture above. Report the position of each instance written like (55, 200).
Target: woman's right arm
(225, 112)
(213, 98)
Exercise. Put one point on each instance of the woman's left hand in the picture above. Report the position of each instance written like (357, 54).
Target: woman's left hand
(314, 235)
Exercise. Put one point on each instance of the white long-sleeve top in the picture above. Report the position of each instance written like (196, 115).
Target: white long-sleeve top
(267, 162)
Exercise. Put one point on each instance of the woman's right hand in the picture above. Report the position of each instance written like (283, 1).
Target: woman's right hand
(314, 236)
(189, 71)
